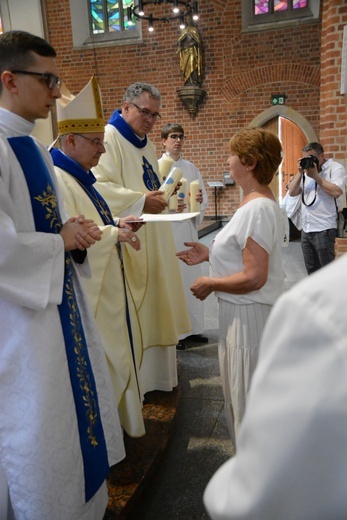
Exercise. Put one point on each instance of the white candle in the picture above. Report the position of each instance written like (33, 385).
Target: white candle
(194, 190)
(182, 192)
(170, 183)
(173, 204)
(165, 165)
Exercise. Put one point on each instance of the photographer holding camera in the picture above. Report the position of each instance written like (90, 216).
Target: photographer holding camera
(320, 181)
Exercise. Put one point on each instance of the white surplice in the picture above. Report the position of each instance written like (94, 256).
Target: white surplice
(39, 440)
(187, 231)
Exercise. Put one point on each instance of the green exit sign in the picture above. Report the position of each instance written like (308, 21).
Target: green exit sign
(279, 99)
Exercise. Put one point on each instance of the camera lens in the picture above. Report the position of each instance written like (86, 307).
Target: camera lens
(309, 162)
(305, 163)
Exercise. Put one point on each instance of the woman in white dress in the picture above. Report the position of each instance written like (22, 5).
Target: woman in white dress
(245, 265)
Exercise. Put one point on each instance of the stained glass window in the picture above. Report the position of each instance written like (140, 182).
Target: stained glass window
(280, 6)
(266, 13)
(110, 16)
(274, 6)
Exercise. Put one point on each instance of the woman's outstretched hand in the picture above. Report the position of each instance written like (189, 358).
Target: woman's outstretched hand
(196, 255)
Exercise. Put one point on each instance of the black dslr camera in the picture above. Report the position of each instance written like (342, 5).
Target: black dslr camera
(309, 162)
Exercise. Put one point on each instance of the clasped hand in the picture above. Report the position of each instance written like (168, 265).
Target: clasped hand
(80, 233)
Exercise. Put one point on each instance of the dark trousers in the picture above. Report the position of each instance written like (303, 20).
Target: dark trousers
(318, 248)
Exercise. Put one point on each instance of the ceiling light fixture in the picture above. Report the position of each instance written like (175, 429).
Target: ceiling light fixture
(180, 10)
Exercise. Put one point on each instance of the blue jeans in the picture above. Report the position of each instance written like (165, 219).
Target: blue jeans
(318, 248)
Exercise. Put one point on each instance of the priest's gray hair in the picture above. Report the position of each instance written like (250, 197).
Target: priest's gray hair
(136, 89)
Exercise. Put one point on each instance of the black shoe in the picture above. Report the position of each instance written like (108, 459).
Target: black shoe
(197, 338)
(191, 341)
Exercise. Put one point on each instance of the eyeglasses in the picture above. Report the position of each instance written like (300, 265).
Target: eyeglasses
(52, 81)
(175, 137)
(95, 141)
(146, 113)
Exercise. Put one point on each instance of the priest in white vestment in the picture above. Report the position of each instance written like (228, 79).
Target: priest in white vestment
(59, 426)
(129, 180)
(81, 133)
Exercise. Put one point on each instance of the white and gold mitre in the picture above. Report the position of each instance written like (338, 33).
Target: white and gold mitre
(82, 113)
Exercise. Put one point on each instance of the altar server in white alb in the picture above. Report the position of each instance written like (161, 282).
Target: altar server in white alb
(129, 179)
(291, 460)
(173, 139)
(59, 426)
(81, 143)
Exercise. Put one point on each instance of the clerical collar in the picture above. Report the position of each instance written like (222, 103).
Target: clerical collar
(137, 135)
(126, 131)
(65, 162)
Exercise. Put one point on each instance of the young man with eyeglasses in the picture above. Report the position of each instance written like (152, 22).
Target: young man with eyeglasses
(129, 179)
(173, 140)
(73, 158)
(59, 427)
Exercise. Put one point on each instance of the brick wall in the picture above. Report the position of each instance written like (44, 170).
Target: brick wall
(242, 71)
(333, 130)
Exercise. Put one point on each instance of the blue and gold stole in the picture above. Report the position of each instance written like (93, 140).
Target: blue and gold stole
(47, 220)
(86, 181)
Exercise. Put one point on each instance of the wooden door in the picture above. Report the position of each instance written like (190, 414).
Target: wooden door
(293, 141)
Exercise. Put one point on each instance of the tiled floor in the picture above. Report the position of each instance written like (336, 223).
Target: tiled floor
(165, 473)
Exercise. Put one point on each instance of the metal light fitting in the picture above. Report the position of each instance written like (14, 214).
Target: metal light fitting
(180, 10)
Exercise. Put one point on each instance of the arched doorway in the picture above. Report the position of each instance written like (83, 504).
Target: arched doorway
(293, 140)
(294, 132)
(273, 126)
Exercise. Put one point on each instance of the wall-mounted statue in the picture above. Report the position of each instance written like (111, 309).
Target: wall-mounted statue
(190, 52)
(191, 65)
